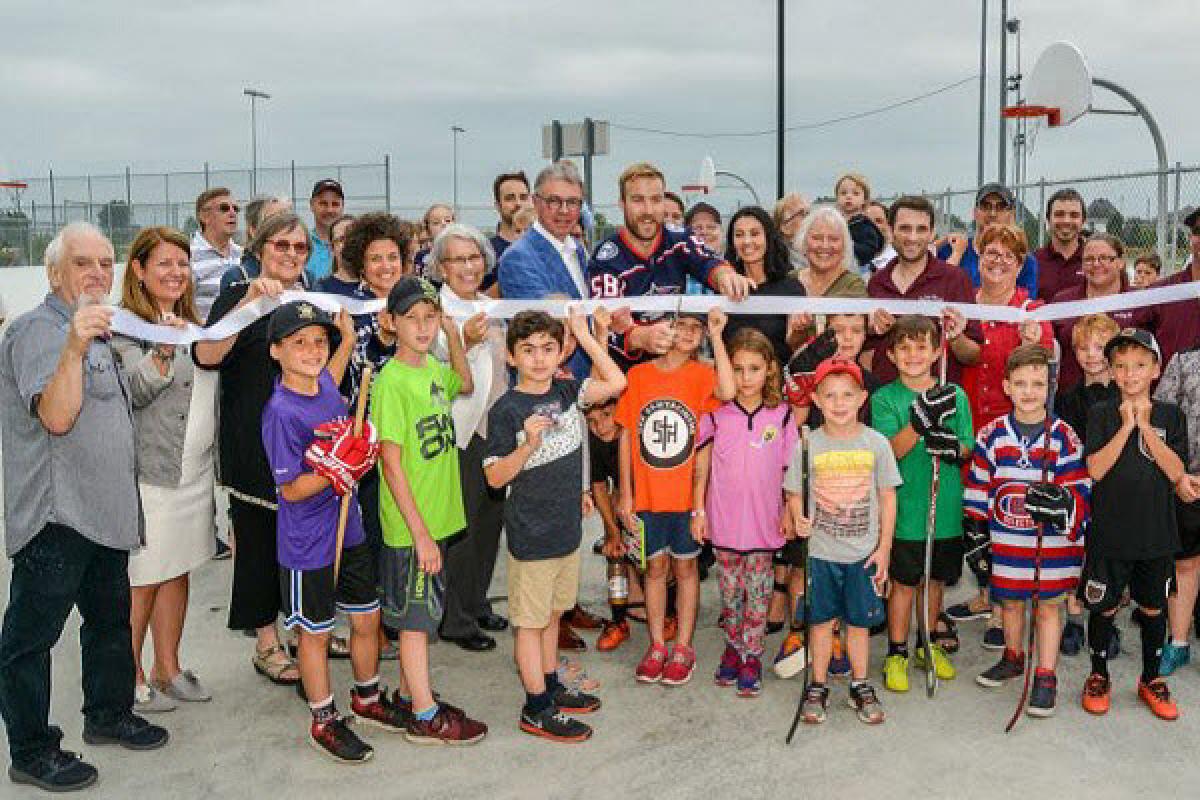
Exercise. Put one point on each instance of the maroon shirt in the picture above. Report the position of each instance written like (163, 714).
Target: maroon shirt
(1176, 325)
(1056, 273)
(1069, 372)
(939, 281)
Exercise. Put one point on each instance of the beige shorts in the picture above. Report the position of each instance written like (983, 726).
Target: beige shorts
(537, 589)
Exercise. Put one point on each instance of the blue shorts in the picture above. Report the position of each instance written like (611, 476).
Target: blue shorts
(845, 592)
(668, 532)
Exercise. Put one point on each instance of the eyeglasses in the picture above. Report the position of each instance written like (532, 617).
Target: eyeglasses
(1099, 259)
(559, 203)
(283, 247)
(1000, 255)
(225, 208)
(462, 261)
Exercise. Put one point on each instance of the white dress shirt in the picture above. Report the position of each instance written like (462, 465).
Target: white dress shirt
(567, 250)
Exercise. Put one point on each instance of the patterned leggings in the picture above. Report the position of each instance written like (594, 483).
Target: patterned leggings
(745, 582)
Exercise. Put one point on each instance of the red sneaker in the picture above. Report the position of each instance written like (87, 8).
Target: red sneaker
(680, 666)
(380, 712)
(1156, 695)
(1097, 694)
(448, 726)
(612, 637)
(650, 668)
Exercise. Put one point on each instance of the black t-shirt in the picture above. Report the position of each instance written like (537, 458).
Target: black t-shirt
(603, 457)
(773, 326)
(1072, 405)
(1133, 507)
(247, 379)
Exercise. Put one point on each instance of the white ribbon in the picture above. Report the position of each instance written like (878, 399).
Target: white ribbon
(131, 325)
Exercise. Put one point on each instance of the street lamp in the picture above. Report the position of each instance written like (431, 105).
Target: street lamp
(455, 131)
(255, 95)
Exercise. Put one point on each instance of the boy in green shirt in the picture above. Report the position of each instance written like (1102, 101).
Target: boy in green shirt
(420, 497)
(923, 421)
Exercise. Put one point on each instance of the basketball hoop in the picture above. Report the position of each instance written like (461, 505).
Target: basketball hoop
(707, 178)
(1052, 114)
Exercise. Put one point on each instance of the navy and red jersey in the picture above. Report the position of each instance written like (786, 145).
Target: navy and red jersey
(619, 268)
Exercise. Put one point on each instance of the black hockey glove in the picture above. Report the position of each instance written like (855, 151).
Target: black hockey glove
(941, 443)
(931, 409)
(798, 372)
(978, 547)
(1050, 503)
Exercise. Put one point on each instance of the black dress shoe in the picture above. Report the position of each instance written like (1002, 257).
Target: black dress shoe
(479, 643)
(492, 622)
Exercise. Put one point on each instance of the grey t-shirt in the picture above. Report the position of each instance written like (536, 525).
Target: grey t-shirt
(85, 479)
(542, 516)
(846, 476)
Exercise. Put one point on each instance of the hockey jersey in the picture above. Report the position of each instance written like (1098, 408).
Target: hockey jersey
(1001, 469)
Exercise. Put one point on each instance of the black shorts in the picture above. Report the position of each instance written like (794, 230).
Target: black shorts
(1104, 578)
(791, 554)
(310, 600)
(1187, 516)
(412, 600)
(908, 561)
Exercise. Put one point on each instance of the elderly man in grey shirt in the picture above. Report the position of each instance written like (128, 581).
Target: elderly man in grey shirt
(72, 515)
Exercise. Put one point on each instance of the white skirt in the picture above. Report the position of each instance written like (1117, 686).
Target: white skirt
(180, 523)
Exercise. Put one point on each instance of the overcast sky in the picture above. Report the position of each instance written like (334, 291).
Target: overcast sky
(97, 86)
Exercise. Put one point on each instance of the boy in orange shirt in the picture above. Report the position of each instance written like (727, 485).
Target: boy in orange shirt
(658, 413)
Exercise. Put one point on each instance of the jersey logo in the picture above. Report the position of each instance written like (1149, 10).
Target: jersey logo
(607, 251)
(607, 285)
(1160, 433)
(1008, 507)
(666, 433)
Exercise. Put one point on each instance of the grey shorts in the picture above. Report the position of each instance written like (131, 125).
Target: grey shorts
(412, 600)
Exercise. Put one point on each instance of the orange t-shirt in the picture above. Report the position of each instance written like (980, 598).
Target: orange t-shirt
(661, 410)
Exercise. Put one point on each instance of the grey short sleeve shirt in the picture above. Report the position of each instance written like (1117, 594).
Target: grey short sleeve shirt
(85, 479)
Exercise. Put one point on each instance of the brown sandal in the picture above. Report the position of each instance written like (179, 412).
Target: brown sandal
(272, 668)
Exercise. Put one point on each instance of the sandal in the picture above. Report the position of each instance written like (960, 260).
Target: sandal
(272, 663)
(339, 648)
(947, 637)
(634, 617)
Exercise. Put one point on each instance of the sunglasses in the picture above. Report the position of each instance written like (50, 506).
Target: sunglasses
(225, 208)
(283, 247)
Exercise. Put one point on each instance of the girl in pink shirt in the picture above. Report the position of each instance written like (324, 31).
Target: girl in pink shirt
(742, 454)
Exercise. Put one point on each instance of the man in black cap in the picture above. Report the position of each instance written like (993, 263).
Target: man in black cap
(328, 202)
(994, 205)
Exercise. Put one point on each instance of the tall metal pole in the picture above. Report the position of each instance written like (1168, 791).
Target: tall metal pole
(455, 131)
(982, 92)
(255, 95)
(1002, 144)
(779, 133)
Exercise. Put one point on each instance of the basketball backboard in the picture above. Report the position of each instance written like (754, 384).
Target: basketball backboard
(706, 179)
(1060, 85)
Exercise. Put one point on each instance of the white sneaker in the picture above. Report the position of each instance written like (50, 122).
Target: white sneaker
(148, 700)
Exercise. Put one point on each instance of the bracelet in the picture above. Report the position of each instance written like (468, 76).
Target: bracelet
(699, 512)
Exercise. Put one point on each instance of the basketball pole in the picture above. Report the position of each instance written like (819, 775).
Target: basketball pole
(982, 93)
(779, 133)
(1002, 144)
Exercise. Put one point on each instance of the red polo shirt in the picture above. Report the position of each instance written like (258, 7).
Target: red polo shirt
(1069, 373)
(1056, 273)
(1177, 325)
(939, 281)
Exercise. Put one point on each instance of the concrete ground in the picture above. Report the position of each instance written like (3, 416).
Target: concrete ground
(650, 741)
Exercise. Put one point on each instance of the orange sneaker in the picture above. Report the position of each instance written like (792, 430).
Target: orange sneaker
(670, 628)
(1158, 698)
(613, 635)
(1097, 694)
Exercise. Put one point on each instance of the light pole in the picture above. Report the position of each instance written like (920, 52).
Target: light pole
(255, 95)
(455, 130)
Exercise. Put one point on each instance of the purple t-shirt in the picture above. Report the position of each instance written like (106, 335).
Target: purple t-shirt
(749, 457)
(306, 530)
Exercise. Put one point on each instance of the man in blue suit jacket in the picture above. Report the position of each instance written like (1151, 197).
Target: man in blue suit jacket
(547, 260)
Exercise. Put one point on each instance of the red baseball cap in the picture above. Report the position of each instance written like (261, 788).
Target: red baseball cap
(838, 366)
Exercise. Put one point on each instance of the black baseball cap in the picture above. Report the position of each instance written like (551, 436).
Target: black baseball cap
(1004, 193)
(409, 291)
(1136, 336)
(328, 185)
(291, 317)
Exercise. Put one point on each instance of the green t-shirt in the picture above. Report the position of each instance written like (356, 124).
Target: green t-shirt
(410, 406)
(889, 414)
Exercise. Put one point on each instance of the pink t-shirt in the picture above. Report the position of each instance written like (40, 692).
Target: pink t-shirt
(745, 485)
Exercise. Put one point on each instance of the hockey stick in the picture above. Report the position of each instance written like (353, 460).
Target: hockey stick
(806, 485)
(930, 526)
(360, 410)
(1037, 585)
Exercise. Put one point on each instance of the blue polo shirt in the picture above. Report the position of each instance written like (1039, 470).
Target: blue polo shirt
(1027, 278)
(320, 261)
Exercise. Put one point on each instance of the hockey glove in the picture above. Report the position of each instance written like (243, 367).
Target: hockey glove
(978, 542)
(1050, 503)
(931, 409)
(346, 459)
(941, 443)
(798, 373)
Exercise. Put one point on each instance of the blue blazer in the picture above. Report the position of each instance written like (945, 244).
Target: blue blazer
(532, 269)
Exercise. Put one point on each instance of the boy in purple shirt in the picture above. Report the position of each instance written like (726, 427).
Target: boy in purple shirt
(316, 459)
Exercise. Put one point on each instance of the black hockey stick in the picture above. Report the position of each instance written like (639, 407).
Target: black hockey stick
(930, 527)
(806, 484)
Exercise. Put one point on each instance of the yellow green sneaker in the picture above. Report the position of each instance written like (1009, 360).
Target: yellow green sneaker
(895, 673)
(941, 662)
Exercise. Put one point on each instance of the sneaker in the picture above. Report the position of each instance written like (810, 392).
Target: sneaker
(573, 701)
(864, 700)
(380, 712)
(1097, 694)
(670, 628)
(612, 637)
(1043, 694)
(680, 666)
(1158, 698)
(403, 705)
(650, 668)
(839, 664)
(728, 668)
(579, 617)
(993, 639)
(749, 679)
(895, 673)
(791, 656)
(1072, 639)
(569, 640)
(54, 770)
(148, 700)
(448, 726)
(552, 724)
(336, 740)
(1113, 648)
(186, 687)
(1173, 657)
(129, 730)
(962, 612)
(222, 551)
(1011, 665)
(941, 662)
(814, 704)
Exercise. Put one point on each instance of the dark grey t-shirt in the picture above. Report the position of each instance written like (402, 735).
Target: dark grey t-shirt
(542, 517)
